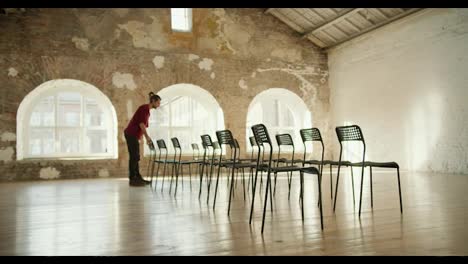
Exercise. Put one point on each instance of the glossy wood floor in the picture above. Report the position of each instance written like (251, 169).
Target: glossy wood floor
(107, 217)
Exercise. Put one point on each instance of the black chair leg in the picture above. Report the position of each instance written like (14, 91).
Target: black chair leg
(331, 183)
(289, 183)
(243, 182)
(352, 185)
(399, 190)
(371, 192)
(216, 187)
(320, 199)
(360, 194)
(274, 189)
(164, 174)
(271, 197)
(190, 175)
(209, 185)
(201, 179)
(336, 188)
(302, 194)
(172, 177)
(176, 179)
(266, 200)
(254, 186)
(231, 191)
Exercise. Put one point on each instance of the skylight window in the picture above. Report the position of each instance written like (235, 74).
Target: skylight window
(181, 19)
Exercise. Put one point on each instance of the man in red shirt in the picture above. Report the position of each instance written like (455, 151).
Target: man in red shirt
(135, 129)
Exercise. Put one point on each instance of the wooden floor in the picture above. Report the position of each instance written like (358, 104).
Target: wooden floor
(107, 217)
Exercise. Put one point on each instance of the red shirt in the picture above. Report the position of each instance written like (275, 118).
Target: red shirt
(141, 116)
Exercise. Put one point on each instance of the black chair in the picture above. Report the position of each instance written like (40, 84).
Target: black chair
(180, 163)
(196, 156)
(261, 136)
(162, 145)
(225, 138)
(152, 161)
(314, 135)
(206, 143)
(354, 133)
(285, 140)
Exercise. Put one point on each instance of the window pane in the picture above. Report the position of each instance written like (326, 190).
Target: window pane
(181, 19)
(94, 114)
(69, 109)
(41, 141)
(287, 118)
(185, 139)
(96, 141)
(69, 140)
(270, 112)
(160, 116)
(181, 111)
(44, 113)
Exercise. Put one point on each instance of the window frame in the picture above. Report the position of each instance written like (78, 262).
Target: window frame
(300, 113)
(198, 94)
(54, 88)
(189, 21)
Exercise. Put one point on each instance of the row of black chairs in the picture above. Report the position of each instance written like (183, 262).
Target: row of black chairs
(260, 164)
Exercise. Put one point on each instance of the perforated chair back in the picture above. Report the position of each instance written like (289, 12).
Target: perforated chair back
(206, 141)
(195, 148)
(311, 134)
(284, 140)
(349, 133)
(161, 144)
(225, 138)
(216, 145)
(261, 134)
(175, 143)
(252, 141)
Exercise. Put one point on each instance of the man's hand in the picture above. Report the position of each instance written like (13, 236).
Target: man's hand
(149, 142)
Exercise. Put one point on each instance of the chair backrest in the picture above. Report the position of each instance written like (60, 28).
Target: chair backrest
(284, 140)
(195, 148)
(349, 133)
(312, 134)
(216, 145)
(175, 143)
(261, 136)
(225, 138)
(206, 141)
(252, 141)
(161, 144)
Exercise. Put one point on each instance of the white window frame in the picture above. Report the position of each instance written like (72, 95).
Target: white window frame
(187, 17)
(53, 88)
(198, 94)
(300, 112)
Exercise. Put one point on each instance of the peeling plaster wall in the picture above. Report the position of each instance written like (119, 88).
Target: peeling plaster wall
(126, 53)
(406, 86)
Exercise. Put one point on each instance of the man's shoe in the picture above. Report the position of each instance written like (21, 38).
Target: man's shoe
(136, 182)
(140, 178)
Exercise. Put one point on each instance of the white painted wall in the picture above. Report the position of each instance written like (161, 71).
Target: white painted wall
(406, 85)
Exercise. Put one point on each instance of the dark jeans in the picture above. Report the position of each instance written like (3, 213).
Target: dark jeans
(134, 151)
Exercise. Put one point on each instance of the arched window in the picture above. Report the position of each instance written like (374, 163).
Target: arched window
(66, 118)
(187, 111)
(281, 111)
